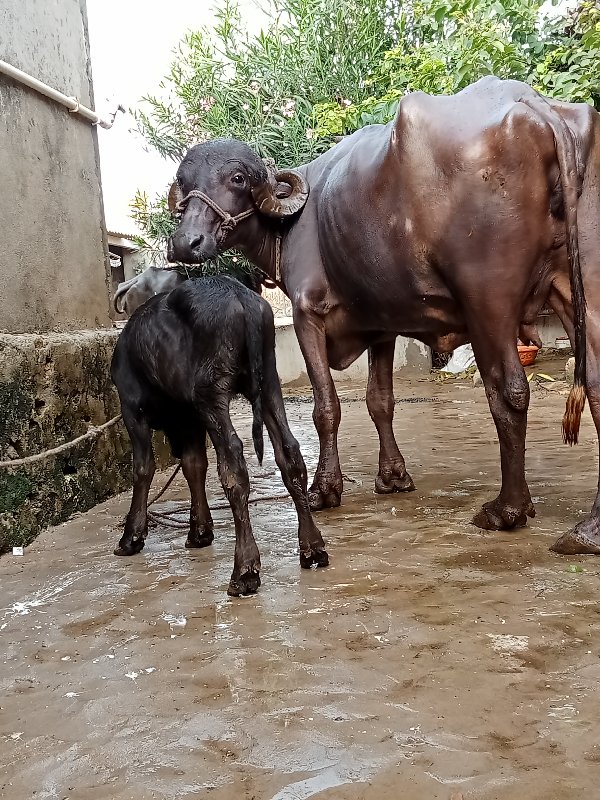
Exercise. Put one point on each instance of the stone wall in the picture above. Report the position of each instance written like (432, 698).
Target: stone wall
(551, 332)
(52, 388)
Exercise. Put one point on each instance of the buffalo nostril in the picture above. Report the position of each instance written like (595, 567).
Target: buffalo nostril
(195, 241)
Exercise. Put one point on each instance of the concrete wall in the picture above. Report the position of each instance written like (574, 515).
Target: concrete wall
(409, 353)
(53, 255)
(550, 329)
(292, 369)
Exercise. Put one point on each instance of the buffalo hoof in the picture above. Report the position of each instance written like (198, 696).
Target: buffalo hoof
(584, 539)
(388, 481)
(318, 500)
(130, 547)
(316, 557)
(202, 538)
(245, 583)
(497, 516)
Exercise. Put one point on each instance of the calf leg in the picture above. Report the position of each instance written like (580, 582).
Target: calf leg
(245, 578)
(327, 486)
(291, 464)
(507, 391)
(194, 464)
(136, 523)
(392, 476)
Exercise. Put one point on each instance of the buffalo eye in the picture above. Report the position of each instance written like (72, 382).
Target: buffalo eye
(238, 178)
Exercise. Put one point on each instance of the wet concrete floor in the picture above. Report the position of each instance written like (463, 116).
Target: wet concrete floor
(430, 658)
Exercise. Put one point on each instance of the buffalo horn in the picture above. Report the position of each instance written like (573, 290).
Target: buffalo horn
(175, 197)
(275, 198)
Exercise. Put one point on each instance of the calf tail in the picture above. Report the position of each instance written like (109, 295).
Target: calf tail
(257, 429)
(567, 162)
(254, 347)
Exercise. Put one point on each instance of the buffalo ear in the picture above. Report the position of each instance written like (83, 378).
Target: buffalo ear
(282, 195)
(175, 197)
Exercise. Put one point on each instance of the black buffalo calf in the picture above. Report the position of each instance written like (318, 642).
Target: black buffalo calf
(179, 361)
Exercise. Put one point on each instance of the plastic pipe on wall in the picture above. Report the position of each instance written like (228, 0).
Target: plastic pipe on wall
(71, 103)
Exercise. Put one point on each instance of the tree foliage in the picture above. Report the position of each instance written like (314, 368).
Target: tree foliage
(570, 68)
(321, 69)
(444, 46)
(263, 88)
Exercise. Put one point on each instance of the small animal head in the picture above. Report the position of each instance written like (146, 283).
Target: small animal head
(219, 185)
(133, 293)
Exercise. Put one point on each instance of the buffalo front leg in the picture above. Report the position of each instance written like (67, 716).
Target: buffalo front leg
(136, 523)
(194, 464)
(245, 578)
(327, 486)
(392, 476)
(507, 392)
(291, 465)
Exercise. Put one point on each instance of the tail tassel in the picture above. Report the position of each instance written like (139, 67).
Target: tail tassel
(573, 412)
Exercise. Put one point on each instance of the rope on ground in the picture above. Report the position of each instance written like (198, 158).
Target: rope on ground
(93, 433)
(166, 486)
(170, 520)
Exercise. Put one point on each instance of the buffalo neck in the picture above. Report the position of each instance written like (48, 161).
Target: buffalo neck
(260, 245)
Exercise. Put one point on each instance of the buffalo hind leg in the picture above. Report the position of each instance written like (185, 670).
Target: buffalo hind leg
(507, 391)
(584, 538)
(245, 578)
(327, 486)
(291, 464)
(392, 476)
(136, 523)
(194, 464)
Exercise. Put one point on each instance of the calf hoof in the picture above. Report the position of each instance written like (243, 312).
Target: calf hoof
(130, 547)
(315, 557)
(497, 516)
(246, 583)
(318, 500)
(584, 539)
(390, 480)
(201, 538)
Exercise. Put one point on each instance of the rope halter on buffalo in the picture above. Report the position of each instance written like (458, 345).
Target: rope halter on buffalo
(228, 223)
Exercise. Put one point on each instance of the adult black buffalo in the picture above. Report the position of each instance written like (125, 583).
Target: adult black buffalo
(456, 222)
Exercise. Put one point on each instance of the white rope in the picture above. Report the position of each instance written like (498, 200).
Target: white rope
(93, 433)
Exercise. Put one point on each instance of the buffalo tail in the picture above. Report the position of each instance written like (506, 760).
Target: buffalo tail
(567, 161)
